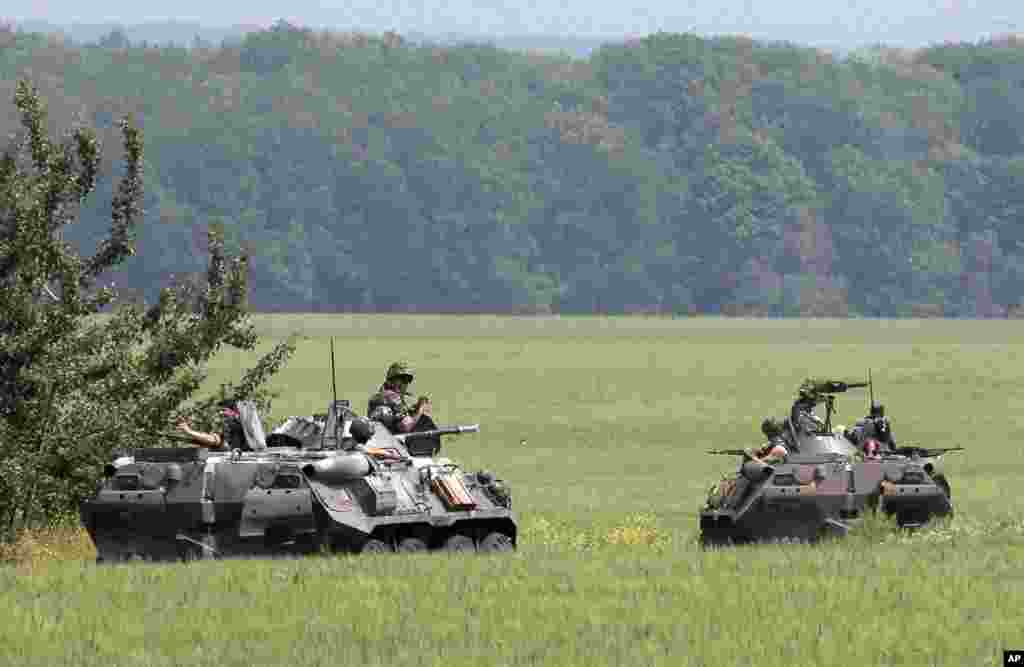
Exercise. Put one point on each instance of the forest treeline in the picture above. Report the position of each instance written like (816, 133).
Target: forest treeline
(672, 174)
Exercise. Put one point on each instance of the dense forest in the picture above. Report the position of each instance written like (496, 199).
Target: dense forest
(672, 174)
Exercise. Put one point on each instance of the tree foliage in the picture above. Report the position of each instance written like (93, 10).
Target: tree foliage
(80, 374)
(672, 173)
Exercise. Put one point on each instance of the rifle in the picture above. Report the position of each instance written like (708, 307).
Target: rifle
(925, 452)
(730, 452)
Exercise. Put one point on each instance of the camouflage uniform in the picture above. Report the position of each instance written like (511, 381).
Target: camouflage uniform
(802, 415)
(389, 406)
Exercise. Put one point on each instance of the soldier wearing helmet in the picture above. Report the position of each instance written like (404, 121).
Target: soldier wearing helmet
(775, 450)
(389, 406)
(802, 415)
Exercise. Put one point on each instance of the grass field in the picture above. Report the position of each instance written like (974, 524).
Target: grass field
(599, 425)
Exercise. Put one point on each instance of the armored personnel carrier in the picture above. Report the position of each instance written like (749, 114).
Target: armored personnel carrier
(336, 484)
(826, 483)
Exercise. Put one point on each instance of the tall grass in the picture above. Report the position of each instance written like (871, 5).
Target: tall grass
(599, 426)
(33, 549)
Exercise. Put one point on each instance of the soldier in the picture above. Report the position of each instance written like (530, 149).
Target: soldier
(802, 415)
(389, 407)
(872, 450)
(775, 450)
(232, 435)
(873, 427)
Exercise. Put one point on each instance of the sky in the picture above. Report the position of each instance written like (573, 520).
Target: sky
(850, 23)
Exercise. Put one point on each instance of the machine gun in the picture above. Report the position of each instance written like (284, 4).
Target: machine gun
(823, 387)
(731, 452)
(818, 391)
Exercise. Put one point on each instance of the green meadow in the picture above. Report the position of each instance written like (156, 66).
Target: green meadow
(600, 427)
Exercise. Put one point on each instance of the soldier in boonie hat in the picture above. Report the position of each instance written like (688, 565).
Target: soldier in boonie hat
(389, 406)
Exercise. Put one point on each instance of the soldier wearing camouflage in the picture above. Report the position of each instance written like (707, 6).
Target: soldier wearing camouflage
(389, 406)
(802, 415)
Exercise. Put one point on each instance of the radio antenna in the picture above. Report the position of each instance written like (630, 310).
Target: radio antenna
(871, 392)
(334, 386)
(332, 416)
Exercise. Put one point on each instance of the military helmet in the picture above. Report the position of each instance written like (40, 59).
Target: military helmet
(771, 427)
(400, 370)
(877, 410)
(361, 431)
(807, 388)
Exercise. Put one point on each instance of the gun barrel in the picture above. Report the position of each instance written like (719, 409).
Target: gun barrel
(727, 452)
(836, 386)
(448, 430)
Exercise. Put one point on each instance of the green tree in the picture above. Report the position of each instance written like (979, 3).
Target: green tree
(80, 374)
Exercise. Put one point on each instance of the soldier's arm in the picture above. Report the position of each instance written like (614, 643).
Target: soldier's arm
(212, 440)
(776, 454)
(772, 459)
(409, 421)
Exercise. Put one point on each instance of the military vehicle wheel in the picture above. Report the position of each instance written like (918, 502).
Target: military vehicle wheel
(374, 546)
(496, 543)
(459, 543)
(408, 545)
(911, 519)
(710, 540)
(943, 484)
